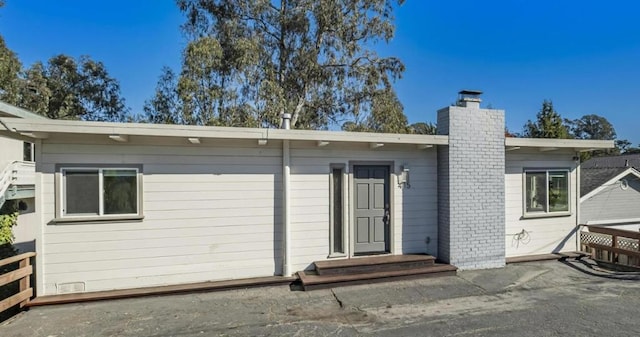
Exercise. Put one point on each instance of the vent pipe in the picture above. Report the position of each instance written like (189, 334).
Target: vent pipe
(286, 121)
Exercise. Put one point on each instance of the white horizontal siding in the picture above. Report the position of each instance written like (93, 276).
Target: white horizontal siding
(214, 212)
(414, 210)
(210, 213)
(613, 202)
(530, 236)
(10, 151)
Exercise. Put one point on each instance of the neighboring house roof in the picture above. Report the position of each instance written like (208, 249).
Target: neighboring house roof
(8, 110)
(625, 161)
(593, 180)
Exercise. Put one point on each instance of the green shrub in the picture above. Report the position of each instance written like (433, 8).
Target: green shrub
(8, 219)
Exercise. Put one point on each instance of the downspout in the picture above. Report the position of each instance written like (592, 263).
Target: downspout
(286, 196)
(39, 235)
(578, 201)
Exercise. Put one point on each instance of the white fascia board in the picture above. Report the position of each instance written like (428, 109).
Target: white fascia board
(9, 110)
(576, 144)
(623, 174)
(360, 137)
(162, 130)
(131, 129)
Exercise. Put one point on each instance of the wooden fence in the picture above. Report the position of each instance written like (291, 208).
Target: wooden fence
(22, 274)
(611, 245)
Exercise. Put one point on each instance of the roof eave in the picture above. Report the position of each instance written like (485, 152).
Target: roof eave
(34, 128)
(13, 111)
(578, 145)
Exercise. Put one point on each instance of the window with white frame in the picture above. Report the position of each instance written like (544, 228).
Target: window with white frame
(99, 192)
(546, 191)
(336, 211)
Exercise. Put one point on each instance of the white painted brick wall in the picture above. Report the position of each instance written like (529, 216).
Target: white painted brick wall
(471, 188)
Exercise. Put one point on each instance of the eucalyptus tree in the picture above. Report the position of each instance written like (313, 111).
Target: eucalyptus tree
(10, 68)
(164, 107)
(66, 88)
(248, 62)
(386, 116)
(62, 88)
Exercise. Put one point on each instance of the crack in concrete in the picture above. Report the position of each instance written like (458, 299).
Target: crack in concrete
(337, 299)
(483, 290)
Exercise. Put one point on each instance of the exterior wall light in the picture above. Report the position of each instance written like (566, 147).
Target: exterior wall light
(403, 177)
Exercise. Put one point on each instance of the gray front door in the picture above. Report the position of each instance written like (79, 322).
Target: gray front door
(371, 209)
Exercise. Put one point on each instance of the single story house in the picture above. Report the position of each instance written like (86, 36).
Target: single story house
(610, 193)
(134, 205)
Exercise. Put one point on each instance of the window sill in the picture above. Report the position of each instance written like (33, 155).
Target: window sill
(98, 219)
(337, 255)
(546, 215)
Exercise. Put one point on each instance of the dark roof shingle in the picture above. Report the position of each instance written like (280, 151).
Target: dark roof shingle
(592, 178)
(626, 161)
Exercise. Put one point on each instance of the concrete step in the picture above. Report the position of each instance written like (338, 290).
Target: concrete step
(371, 264)
(311, 281)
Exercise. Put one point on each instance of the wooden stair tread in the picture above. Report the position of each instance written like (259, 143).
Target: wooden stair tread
(310, 279)
(372, 260)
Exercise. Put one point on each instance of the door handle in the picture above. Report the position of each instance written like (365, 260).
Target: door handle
(385, 218)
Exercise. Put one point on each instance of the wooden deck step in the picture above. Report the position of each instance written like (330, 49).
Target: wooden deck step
(311, 281)
(553, 256)
(161, 290)
(373, 264)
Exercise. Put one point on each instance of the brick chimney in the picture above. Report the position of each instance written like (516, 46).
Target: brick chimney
(471, 201)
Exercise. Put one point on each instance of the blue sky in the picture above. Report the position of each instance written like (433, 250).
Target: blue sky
(583, 55)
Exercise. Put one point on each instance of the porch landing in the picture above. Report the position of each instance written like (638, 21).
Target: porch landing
(361, 270)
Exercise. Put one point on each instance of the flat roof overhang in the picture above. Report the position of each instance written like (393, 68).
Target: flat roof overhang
(551, 144)
(8, 110)
(43, 128)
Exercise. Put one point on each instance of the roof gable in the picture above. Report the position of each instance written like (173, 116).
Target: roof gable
(593, 180)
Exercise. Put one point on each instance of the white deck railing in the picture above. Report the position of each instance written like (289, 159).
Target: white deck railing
(24, 173)
(18, 173)
(6, 177)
